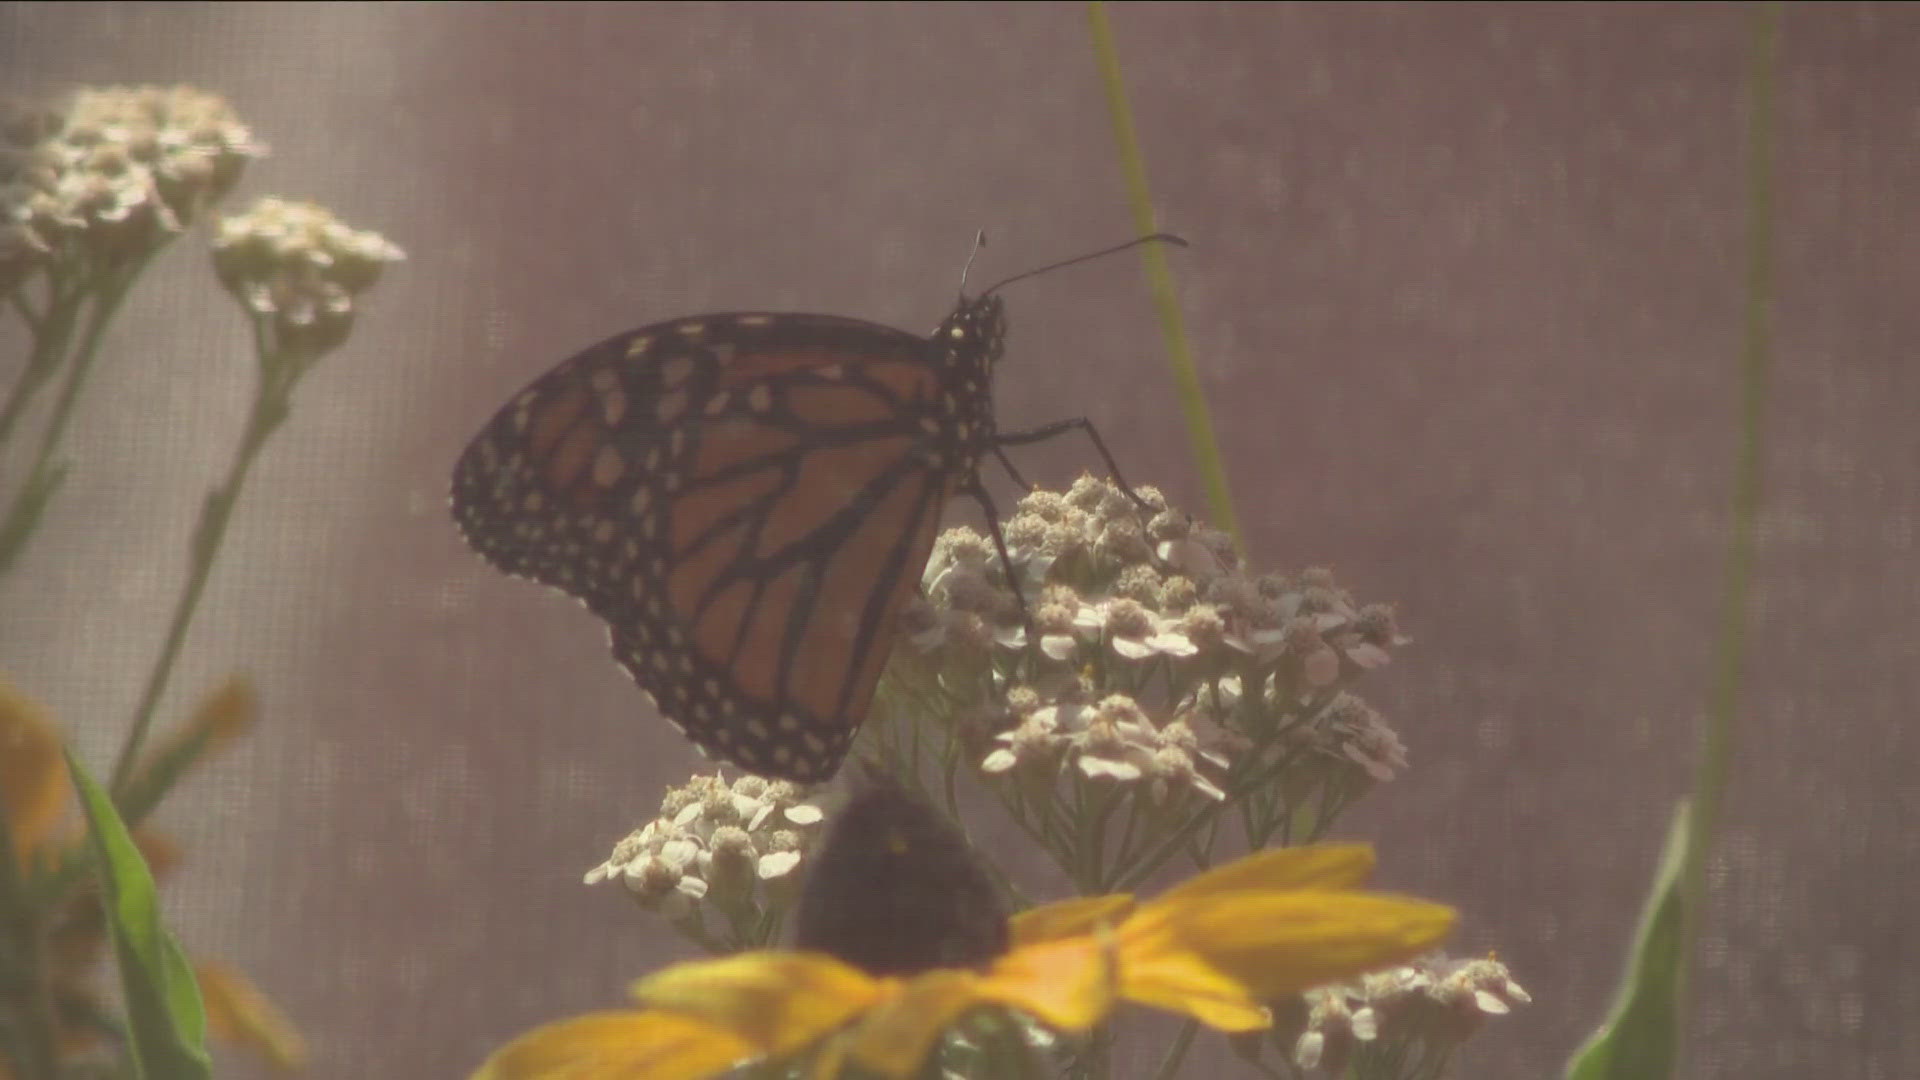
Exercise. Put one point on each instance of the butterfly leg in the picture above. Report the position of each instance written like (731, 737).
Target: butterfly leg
(1060, 427)
(1007, 463)
(1006, 561)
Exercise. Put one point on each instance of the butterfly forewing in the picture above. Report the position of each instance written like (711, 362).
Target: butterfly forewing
(747, 500)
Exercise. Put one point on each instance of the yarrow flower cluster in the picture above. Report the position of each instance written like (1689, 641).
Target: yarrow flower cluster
(1405, 1020)
(1164, 671)
(1114, 739)
(299, 266)
(730, 849)
(112, 173)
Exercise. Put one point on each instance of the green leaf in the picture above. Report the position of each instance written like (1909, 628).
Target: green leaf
(164, 1014)
(1641, 1036)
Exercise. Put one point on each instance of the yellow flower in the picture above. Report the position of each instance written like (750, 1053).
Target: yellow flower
(1272, 924)
(238, 1012)
(1214, 948)
(33, 775)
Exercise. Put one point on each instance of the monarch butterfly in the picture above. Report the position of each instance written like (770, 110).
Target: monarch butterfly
(748, 499)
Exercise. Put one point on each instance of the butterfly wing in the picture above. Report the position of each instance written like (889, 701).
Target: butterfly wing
(747, 500)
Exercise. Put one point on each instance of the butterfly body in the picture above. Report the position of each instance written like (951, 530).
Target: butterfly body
(747, 499)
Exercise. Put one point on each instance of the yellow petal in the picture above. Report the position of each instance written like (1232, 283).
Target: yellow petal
(1067, 984)
(1068, 918)
(895, 1037)
(1269, 944)
(1229, 1009)
(1318, 866)
(1183, 981)
(33, 773)
(160, 850)
(776, 1001)
(226, 714)
(829, 1058)
(609, 1045)
(239, 1013)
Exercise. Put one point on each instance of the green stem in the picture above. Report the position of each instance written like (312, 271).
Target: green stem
(694, 929)
(270, 407)
(52, 334)
(949, 770)
(18, 298)
(1716, 739)
(1015, 804)
(1123, 851)
(1096, 1060)
(1093, 833)
(1137, 875)
(1186, 377)
(1170, 1064)
(40, 481)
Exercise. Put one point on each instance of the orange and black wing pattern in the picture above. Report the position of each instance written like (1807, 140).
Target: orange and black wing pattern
(747, 500)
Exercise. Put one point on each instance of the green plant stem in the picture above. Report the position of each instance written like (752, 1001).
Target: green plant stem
(52, 334)
(1096, 1058)
(1716, 739)
(1016, 809)
(1186, 377)
(1137, 875)
(271, 404)
(694, 928)
(1170, 1064)
(1123, 851)
(1092, 832)
(43, 478)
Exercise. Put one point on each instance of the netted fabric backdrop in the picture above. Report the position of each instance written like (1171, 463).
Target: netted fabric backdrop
(1465, 292)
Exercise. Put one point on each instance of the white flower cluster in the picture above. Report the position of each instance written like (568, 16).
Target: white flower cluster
(1414, 1013)
(1114, 738)
(1149, 632)
(717, 843)
(300, 265)
(113, 172)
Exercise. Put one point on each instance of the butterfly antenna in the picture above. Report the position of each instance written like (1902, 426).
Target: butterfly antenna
(979, 241)
(1151, 238)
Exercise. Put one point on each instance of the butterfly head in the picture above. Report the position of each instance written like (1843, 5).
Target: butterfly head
(976, 328)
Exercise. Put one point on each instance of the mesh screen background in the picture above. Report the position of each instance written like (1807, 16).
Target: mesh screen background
(1465, 293)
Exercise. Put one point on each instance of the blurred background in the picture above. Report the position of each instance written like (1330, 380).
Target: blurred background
(1465, 291)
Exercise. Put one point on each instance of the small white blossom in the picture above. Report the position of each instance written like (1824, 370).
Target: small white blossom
(1417, 1012)
(300, 266)
(714, 839)
(105, 178)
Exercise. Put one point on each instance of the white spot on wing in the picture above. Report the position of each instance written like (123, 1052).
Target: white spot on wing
(674, 371)
(613, 406)
(608, 467)
(670, 406)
